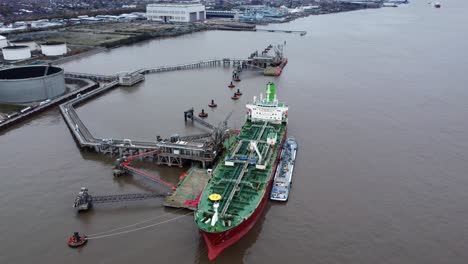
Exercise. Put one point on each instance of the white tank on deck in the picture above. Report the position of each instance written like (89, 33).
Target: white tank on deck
(31, 44)
(3, 42)
(54, 48)
(13, 53)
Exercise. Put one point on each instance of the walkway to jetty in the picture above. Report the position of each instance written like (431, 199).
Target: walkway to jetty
(172, 152)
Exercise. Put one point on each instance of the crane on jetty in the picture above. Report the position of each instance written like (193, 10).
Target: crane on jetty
(84, 201)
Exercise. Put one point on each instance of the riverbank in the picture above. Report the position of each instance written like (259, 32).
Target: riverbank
(94, 38)
(88, 39)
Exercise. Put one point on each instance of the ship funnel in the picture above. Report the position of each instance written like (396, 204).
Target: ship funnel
(271, 92)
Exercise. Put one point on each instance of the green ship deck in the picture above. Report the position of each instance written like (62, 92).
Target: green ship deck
(241, 177)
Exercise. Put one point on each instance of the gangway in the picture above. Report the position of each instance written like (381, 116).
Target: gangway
(84, 201)
(146, 175)
(123, 167)
(189, 115)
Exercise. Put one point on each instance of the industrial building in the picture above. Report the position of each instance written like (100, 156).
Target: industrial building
(33, 46)
(29, 84)
(179, 13)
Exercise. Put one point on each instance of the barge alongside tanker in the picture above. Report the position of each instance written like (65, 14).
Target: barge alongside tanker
(235, 197)
(283, 178)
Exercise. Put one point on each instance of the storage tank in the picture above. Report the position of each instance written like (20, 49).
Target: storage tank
(12, 53)
(28, 84)
(31, 44)
(54, 48)
(3, 42)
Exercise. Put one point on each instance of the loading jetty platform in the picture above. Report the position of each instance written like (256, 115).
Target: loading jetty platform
(300, 32)
(189, 189)
(185, 195)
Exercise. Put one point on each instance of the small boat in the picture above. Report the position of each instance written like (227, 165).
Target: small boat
(238, 93)
(437, 5)
(283, 176)
(76, 240)
(235, 97)
(231, 85)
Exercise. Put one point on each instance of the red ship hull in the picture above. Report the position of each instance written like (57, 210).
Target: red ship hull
(218, 242)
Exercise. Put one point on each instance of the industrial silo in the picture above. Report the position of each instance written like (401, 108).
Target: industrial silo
(54, 48)
(3, 42)
(29, 84)
(30, 43)
(13, 53)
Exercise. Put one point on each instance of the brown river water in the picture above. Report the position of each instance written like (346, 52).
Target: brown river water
(378, 103)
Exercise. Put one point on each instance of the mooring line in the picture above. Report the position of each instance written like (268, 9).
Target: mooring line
(139, 228)
(139, 223)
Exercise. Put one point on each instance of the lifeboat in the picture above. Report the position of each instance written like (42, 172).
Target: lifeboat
(231, 85)
(238, 93)
(212, 104)
(235, 97)
(202, 114)
(76, 240)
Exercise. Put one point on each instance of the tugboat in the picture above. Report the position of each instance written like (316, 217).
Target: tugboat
(238, 93)
(76, 240)
(235, 96)
(202, 114)
(212, 104)
(231, 85)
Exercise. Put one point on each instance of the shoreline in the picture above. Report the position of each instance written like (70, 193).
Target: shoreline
(117, 34)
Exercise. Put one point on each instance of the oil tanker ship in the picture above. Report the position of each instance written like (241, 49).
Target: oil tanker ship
(235, 197)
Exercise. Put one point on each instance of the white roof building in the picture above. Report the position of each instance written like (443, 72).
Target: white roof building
(181, 13)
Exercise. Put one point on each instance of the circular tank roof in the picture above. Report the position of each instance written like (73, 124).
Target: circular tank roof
(53, 43)
(16, 47)
(23, 40)
(28, 72)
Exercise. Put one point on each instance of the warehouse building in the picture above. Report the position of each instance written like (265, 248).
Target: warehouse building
(178, 13)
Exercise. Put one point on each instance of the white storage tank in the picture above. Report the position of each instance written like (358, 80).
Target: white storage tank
(29, 84)
(3, 42)
(54, 48)
(13, 53)
(31, 44)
